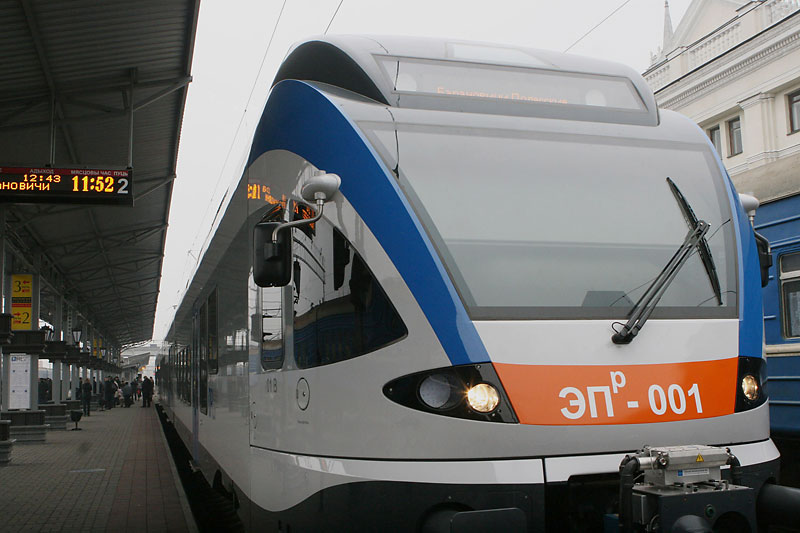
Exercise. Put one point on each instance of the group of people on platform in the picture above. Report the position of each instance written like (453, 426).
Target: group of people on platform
(114, 392)
(45, 389)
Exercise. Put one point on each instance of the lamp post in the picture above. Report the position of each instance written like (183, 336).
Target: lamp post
(77, 333)
(87, 354)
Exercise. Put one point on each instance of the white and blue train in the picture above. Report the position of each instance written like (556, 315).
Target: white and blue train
(463, 286)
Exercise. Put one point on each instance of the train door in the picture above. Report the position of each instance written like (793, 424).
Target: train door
(266, 386)
(307, 288)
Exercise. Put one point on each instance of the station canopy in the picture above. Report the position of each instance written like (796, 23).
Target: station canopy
(74, 75)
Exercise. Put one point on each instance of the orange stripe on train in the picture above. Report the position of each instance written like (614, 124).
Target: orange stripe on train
(620, 394)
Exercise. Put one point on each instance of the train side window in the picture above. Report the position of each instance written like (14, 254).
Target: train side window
(213, 334)
(271, 328)
(790, 294)
(341, 311)
(201, 343)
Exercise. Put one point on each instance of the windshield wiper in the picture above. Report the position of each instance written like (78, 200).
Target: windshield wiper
(702, 246)
(649, 300)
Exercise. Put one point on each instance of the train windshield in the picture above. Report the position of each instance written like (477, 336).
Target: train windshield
(554, 226)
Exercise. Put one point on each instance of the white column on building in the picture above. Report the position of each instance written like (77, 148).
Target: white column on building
(758, 129)
(58, 328)
(74, 381)
(64, 382)
(56, 382)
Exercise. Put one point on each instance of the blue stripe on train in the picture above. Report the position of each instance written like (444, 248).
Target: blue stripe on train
(751, 322)
(300, 119)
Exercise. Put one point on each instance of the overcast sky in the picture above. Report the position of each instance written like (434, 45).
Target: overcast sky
(232, 76)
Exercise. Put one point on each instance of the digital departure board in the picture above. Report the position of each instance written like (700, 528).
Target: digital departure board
(66, 185)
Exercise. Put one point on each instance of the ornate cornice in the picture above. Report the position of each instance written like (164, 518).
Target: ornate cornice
(750, 63)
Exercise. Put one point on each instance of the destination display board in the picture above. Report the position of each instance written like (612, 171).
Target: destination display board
(66, 185)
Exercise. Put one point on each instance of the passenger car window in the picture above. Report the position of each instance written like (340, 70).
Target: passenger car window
(790, 291)
(213, 334)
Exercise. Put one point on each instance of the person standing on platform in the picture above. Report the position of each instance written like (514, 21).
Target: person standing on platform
(86, 396)
(147, 392)
(127, 394)
(108, 393)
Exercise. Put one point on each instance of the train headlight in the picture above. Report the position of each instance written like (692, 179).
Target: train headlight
(439, 391)
(750, 387)
(471, 392)
(483, 398)
(751, 383)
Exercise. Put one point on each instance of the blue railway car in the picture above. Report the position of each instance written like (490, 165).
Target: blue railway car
(779, 221)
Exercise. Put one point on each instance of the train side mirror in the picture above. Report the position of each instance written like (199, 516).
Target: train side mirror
(764, 257)
(272, 260)
(750, 204)
(272, 241)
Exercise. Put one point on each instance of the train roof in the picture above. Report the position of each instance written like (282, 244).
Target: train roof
(453, 75)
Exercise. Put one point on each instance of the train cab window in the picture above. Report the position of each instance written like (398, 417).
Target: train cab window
(790, 294)
(340, 309)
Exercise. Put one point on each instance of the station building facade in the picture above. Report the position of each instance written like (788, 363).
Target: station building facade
(734, 68)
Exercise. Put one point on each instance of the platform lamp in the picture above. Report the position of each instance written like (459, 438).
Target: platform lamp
(77, 333)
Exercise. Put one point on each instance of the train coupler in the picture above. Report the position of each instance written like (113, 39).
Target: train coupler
(681, 489)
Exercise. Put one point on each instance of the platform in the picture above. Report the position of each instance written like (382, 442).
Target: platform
(115, 474)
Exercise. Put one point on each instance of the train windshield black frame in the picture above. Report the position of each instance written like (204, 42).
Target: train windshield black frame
(545, 225)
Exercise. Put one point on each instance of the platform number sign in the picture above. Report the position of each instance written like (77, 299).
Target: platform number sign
(21, 301)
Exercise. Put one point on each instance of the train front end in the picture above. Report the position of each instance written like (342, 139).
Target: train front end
(580, 283)
(611, 277)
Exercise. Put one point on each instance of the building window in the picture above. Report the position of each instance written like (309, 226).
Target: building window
(716, 138)
(735, 136)
(794, 111)
(790, 294)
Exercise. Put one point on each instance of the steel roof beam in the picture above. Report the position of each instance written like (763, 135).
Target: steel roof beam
(27, 108)
(161, 183)
(35, 215)
(179, 84)
(90, 290)
(143, 259)
(89, 105)
(106, 111)
(135, 234)
(107, 261)
(118, 250)
(127, 286)
(99, 86)
(33, 26)
(131, 299)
